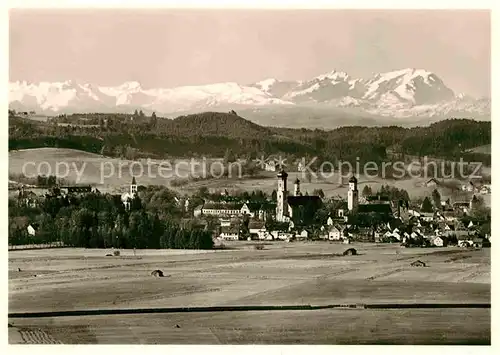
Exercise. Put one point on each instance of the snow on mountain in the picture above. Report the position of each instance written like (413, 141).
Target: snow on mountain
(323, 88)
(56, 96)
(400, 93)
(458, 106)
(266, 84)
(416, 86)
(212, 95)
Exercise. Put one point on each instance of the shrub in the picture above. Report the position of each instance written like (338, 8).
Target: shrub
(116, 253)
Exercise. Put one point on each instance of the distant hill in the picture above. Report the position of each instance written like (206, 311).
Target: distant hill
(213, 124)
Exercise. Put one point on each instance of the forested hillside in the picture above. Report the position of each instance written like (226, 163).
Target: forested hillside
(212, 134)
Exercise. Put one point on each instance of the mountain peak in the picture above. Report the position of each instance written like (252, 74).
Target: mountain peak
(334, 75)
(131, 85)
(409, 91)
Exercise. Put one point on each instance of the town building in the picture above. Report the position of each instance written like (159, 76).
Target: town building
(377, 205)
(352, 194)
(297, 206)
(256, 210)
(128, 196)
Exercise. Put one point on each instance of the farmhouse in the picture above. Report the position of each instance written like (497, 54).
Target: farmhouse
(27, 198)
(432, 183)
(335, 232)
(270, 165)
(439, 241)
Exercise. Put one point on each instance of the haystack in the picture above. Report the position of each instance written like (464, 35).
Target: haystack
(157, 273)
(350, 251)
(418, 263)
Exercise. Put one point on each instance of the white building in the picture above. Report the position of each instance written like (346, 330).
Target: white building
(31, 230)
(335, 232)
(352, 194)
(303, 234)
(281, 196)
(127, 197)
(437, 241)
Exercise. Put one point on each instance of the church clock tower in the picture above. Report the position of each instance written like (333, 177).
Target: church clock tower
(281, 196)
(352, 194)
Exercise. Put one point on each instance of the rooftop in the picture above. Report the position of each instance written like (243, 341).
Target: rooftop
(376, 208)
(303, 200)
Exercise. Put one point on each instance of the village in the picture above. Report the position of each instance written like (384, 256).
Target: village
(373, 218)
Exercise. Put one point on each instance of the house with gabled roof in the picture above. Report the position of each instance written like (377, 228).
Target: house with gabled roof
(432, 183)
(335, 232)
(439, 241)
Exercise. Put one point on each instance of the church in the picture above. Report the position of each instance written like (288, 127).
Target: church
(381, 209)
(296, 206)
(128, 196)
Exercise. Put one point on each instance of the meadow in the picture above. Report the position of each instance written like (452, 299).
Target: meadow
(88, 168)
(299, 273)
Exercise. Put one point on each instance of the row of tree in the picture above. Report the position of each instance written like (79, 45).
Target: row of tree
(232, 137)
(102, 221)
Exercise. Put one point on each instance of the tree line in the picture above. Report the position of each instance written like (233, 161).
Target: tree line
(101, 221)
(213, 134)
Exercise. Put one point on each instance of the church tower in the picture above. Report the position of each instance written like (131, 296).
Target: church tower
(296, 187)
(352, 194)
(281, 196)
(133, 188)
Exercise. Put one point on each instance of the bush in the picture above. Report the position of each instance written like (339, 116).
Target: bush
(116, 253)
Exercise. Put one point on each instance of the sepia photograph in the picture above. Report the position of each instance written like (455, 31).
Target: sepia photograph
(249, 176)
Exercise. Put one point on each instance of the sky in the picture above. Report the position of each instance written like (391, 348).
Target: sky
(168, 48)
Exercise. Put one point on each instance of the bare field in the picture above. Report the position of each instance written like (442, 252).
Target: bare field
(281, 274)
(440, 327)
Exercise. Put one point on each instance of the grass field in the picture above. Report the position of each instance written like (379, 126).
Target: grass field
(281, 274)
(108, 174)
(88, 168)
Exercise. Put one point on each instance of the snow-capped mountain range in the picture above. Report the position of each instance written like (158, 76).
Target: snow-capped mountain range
(401, 93)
